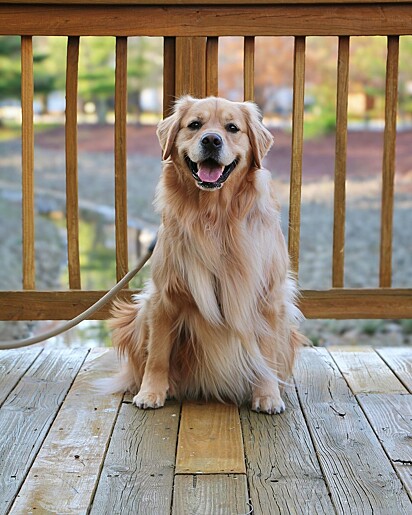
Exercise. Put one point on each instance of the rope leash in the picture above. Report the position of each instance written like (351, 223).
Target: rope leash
(17, 344)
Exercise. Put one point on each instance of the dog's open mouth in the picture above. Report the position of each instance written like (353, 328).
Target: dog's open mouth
(210, 174)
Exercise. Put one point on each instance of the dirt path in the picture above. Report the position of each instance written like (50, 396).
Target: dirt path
(364, 157)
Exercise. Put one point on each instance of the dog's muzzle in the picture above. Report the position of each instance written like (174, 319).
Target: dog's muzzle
(209, 173)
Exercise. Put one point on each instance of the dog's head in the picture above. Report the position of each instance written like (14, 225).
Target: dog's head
(213, 139)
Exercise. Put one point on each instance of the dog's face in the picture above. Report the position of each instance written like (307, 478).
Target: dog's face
(213, 139)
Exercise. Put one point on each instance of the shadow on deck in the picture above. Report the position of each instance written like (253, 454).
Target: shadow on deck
(343, 444)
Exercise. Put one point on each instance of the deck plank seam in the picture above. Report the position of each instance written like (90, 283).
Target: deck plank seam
(21, 377)
(52, 421)
(246, 464)
(104, 455)
(391, 461)
(313, 441)
(399, 378)
(172, 500)
(370, 422)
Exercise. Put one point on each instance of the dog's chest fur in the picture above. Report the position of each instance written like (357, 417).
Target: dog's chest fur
(220, 268)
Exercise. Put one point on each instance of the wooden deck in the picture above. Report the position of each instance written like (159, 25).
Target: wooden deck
(342, 446)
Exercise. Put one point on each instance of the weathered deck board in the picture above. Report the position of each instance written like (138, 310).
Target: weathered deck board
(219, 494)
(28, 413)
(358, 473)
(283, 471)
(65, 449)
(13, 365)
(137, 476)
(65, 472)
(391, 419)
(365, 371)
(210, 440)
(399, 359)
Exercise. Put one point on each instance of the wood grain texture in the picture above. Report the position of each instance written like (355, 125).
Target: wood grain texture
(72, 183)
(120, 159)
(357, 303)
(13, 365)
(210, 439)
(339, 303)
(282, 468)
(399, 359)
(365, 371)
(249, 68)
(297, 152)
(340, 163)
(359, 475)
(65, 472)
(169, 75)
(190, 72)
(187, 21)
(137, 475)
(195, 2)
(391, 419)
(388, 163)
(218, 494)
(27, 148)
(29, 411)
(212, 67)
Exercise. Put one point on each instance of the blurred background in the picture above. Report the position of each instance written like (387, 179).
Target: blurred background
(273, 93)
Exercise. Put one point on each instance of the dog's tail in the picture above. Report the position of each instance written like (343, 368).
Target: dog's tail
(123, 325)
(129, 337)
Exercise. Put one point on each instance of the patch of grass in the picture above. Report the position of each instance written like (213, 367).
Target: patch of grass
(371, 327)
(406, 325)
(319, 125)
(12, 130)
(315, 339)
(9, 132)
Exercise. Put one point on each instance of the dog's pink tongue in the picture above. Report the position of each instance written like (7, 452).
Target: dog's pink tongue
(209, 172)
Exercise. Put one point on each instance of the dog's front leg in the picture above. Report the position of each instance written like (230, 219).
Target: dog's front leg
(266, 393)
(155, 383)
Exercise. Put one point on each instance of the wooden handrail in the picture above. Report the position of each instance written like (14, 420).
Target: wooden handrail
(201, 2)
(329, 19)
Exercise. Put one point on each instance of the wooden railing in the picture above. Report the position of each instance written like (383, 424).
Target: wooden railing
(191, 31)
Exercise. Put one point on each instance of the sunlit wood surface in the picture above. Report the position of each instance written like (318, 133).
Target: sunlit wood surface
(342, 446)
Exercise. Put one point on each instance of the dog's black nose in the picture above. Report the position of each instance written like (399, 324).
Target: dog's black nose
(211, 141)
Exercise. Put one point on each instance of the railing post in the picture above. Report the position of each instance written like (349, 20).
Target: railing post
(27, 92)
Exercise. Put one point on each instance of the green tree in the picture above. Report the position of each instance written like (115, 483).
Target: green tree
(96, 73)
(10, 82)
(45, 76)
(145, 67)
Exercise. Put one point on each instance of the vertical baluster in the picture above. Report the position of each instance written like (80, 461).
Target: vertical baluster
(169, 74)
(27, 91)
(212, 66)
(388, 165)
(340, 162)
(120, 158)
(297, 151)
(249, 68)
(191, 66)
(72, 195)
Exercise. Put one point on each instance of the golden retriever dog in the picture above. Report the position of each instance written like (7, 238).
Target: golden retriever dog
(217, 319)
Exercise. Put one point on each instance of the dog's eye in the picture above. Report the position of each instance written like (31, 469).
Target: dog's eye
(194, 125)
(231, 127)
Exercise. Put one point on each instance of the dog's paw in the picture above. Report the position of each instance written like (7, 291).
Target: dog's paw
(268, 404)
(146, 400)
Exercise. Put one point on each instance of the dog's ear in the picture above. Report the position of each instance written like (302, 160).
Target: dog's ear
(168, 128)
(260, 138)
